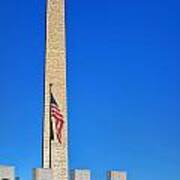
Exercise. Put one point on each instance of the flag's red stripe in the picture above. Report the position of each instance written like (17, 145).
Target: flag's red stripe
(56, 114)
(55, 109)
(55, 106)
(59, 114)
(57, 117)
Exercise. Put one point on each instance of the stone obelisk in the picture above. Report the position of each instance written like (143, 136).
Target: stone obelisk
(55, 154)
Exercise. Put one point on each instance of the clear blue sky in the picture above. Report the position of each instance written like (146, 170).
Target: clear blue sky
(123, 86)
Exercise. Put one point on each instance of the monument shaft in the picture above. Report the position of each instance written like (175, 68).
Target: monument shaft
(55, 154)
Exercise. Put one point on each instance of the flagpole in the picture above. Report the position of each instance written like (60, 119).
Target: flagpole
(50, 125)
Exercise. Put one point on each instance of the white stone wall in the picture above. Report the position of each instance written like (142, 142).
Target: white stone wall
(42, 174)
(80, 174)
(7, 172)
(116, 175)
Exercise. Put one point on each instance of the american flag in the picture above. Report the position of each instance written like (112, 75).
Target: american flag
(56, 118)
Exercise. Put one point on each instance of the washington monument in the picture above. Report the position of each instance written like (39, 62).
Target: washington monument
(55, 140)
